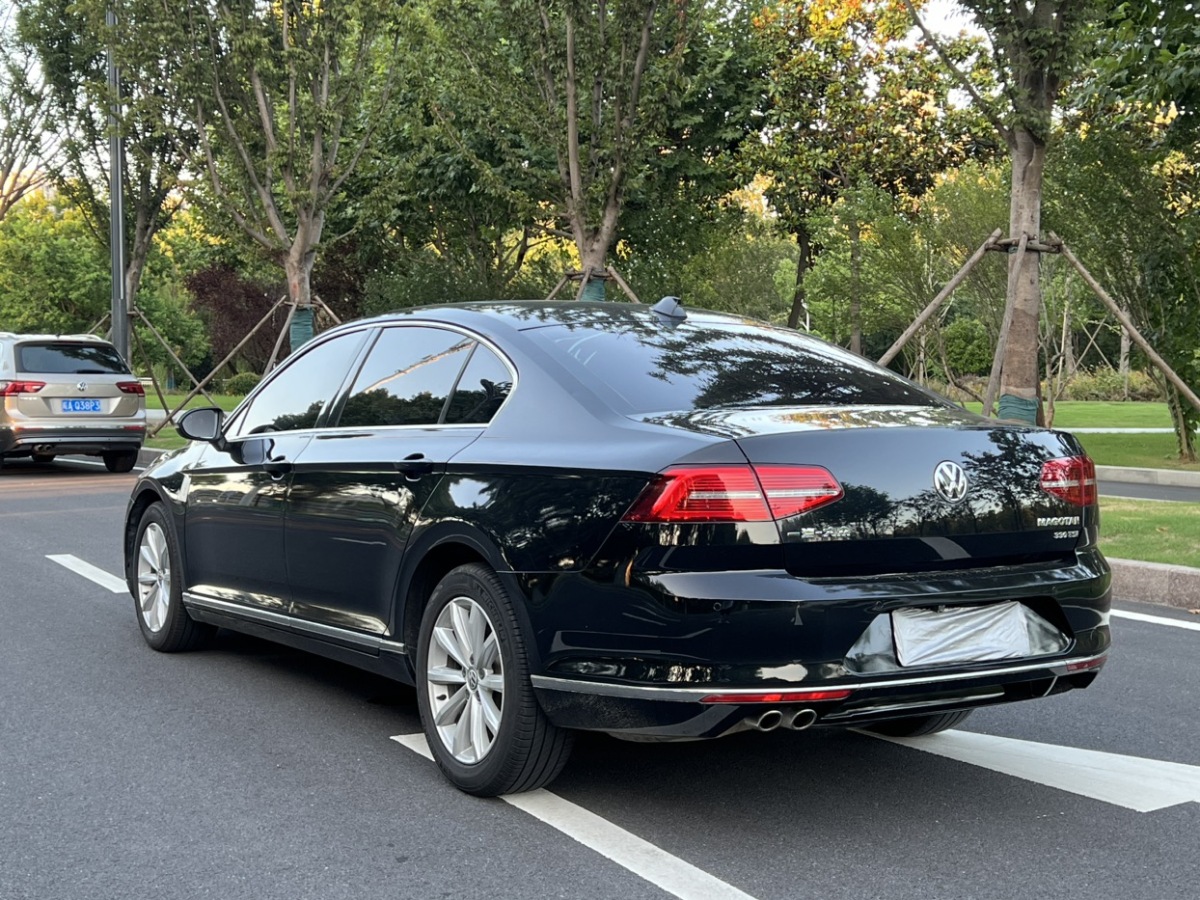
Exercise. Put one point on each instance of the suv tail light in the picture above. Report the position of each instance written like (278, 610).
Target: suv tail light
(131, 387)
(1071, 478)
(731, 493)
(12, 388)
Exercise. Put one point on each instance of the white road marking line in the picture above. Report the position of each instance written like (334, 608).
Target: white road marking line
(653, 864)
(90, 572)
(1143, 785)
(1156, 620)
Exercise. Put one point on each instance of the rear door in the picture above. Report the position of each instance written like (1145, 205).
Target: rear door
(422, 395)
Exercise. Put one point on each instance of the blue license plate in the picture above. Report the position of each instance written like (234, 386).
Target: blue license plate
(80, 406)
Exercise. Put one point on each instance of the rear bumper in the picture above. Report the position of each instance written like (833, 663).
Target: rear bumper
(641, 658)
(27, 438)
(682, 713)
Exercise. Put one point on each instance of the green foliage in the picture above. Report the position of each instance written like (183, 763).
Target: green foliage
(53, 277)
(1108, 384)
(969, 347)
(242, 383)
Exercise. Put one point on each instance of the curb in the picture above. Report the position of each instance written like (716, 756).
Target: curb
(1158, 583)
(1166, 477)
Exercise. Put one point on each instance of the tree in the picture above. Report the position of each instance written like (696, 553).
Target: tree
(1038, 47)
(286, 98)
(25, 143)
(71, 39)
(589, 86)
(833, 61)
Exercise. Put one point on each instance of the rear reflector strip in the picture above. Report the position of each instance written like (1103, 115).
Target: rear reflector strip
(779, 697)
(1087, 664)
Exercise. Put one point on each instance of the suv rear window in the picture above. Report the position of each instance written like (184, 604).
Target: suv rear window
(64, 358)
(709, 365)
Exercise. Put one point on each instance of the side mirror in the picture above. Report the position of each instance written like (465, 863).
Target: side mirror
(202, 424)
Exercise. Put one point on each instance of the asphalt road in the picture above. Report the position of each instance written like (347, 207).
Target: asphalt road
(247, 770)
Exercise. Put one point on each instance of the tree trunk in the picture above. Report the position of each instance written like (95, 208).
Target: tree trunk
(1019, 372)
(855, 287)
(298, 265)
(1123, 363)
(800, 296)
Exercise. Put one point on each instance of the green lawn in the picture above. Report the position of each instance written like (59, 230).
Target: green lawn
(1146, 451)
(1150, 531)
(1105, 414)
(226, 401)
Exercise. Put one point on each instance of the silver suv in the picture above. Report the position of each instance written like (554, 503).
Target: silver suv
(69, 393)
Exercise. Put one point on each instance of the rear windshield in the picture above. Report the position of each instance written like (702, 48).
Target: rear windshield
(61, 358)
(709, 365)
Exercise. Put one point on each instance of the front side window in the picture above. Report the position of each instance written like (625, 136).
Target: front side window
(407, 377)
(296, 396)
(70, 359)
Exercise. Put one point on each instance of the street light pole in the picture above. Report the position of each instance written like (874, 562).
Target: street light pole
(116, 198)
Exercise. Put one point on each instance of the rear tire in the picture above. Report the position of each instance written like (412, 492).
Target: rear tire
(483, 724)
(919, 726)
(157, 592)
(120, 460)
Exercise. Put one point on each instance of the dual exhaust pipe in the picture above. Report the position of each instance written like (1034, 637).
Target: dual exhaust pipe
(775, 718)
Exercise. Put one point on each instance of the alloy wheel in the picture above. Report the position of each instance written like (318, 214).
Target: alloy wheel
(465, 680)
(154, 577)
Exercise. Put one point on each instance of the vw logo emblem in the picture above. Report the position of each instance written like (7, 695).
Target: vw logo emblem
(950, 481)
(81, 387)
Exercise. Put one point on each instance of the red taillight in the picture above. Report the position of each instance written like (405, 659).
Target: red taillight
(1087, 664)
(731, 493)
(132, 387)
(778, 697)
(12, 388)
(1072, 478)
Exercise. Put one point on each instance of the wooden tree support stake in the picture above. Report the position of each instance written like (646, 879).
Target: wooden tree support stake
(224, 362)
(287, 324)
(938, 300)
(1127, 324)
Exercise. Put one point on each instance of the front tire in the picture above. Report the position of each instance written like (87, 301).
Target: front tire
(120, 460)
(919, 726)
(156, 587)
(483, 724)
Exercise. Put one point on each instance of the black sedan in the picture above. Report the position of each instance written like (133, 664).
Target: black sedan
(657, 523)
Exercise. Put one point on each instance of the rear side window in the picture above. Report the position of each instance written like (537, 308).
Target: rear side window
(61, 358)
(482, 389)
(706, 365)
(407, 378)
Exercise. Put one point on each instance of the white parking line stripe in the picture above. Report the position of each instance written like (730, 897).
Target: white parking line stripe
(670, 873)
(1142, 785)
(90, 572)
(1157, 620)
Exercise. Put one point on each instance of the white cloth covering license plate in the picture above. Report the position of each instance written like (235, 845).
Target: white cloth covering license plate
(961, 634)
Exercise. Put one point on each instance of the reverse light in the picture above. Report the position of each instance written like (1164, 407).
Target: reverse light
(779, 697)
(131, 387)
(733, 493)
(1071, 478)
(12, 388)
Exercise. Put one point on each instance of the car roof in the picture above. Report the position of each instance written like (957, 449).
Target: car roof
(522, 315)
(15, 337)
